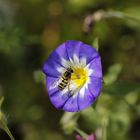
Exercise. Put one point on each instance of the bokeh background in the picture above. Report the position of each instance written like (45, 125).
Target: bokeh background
(31, 29)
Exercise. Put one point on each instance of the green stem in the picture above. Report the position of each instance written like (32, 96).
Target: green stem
(6, 129)
(3, 121)
(118, 14)
(1, 101)
(104, 134)
(104, 129)
(82, 133)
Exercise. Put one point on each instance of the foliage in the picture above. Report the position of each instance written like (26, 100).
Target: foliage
(31, 29)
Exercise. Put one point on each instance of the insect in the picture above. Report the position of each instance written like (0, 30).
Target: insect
(66, 76)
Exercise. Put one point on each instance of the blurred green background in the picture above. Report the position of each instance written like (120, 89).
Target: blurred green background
(31, 29)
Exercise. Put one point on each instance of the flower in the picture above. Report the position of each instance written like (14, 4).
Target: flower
(83, 86)
(89, 137)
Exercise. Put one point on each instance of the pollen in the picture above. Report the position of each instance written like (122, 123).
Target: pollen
(79, 76)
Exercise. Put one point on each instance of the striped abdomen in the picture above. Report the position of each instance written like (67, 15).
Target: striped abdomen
(63, 83)
(65, 79)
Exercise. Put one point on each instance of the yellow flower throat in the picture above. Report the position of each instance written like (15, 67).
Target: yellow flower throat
(79, 76)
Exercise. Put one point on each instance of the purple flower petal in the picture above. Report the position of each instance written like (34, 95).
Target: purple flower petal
(95, 86)
(56, 97)
(50, 66)
(86, 100)
(49, 84)
(95, 65)
(81, 50)
(59, 100)
(73, 47)
(71, 104)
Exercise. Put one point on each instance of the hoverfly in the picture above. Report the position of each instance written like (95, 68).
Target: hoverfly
(64, 80)
(66, 77)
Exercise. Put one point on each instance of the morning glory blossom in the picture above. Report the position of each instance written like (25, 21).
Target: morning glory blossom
(85, 83)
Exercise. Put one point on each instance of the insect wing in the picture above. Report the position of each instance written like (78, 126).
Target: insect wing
(55, 83)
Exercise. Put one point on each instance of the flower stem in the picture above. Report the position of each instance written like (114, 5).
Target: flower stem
(3, 121)
(82, 133)
(6, 129)
(101, 14)
(104, 129)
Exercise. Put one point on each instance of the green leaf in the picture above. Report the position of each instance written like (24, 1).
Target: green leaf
(39, 77)
(95, 43)
(112, 74)
(133, 13)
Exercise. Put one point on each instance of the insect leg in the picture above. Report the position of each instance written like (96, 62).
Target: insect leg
(69, 88)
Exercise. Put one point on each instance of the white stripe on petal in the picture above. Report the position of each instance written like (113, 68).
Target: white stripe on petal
(72, 62)
(86, 85)
(65, 63)
(90, 71)
(74, 96)
(61, 69)
(72, 85)
(75, 59)
(82, 92)
(83, 61)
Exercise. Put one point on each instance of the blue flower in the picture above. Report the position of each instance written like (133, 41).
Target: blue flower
(77, 89)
